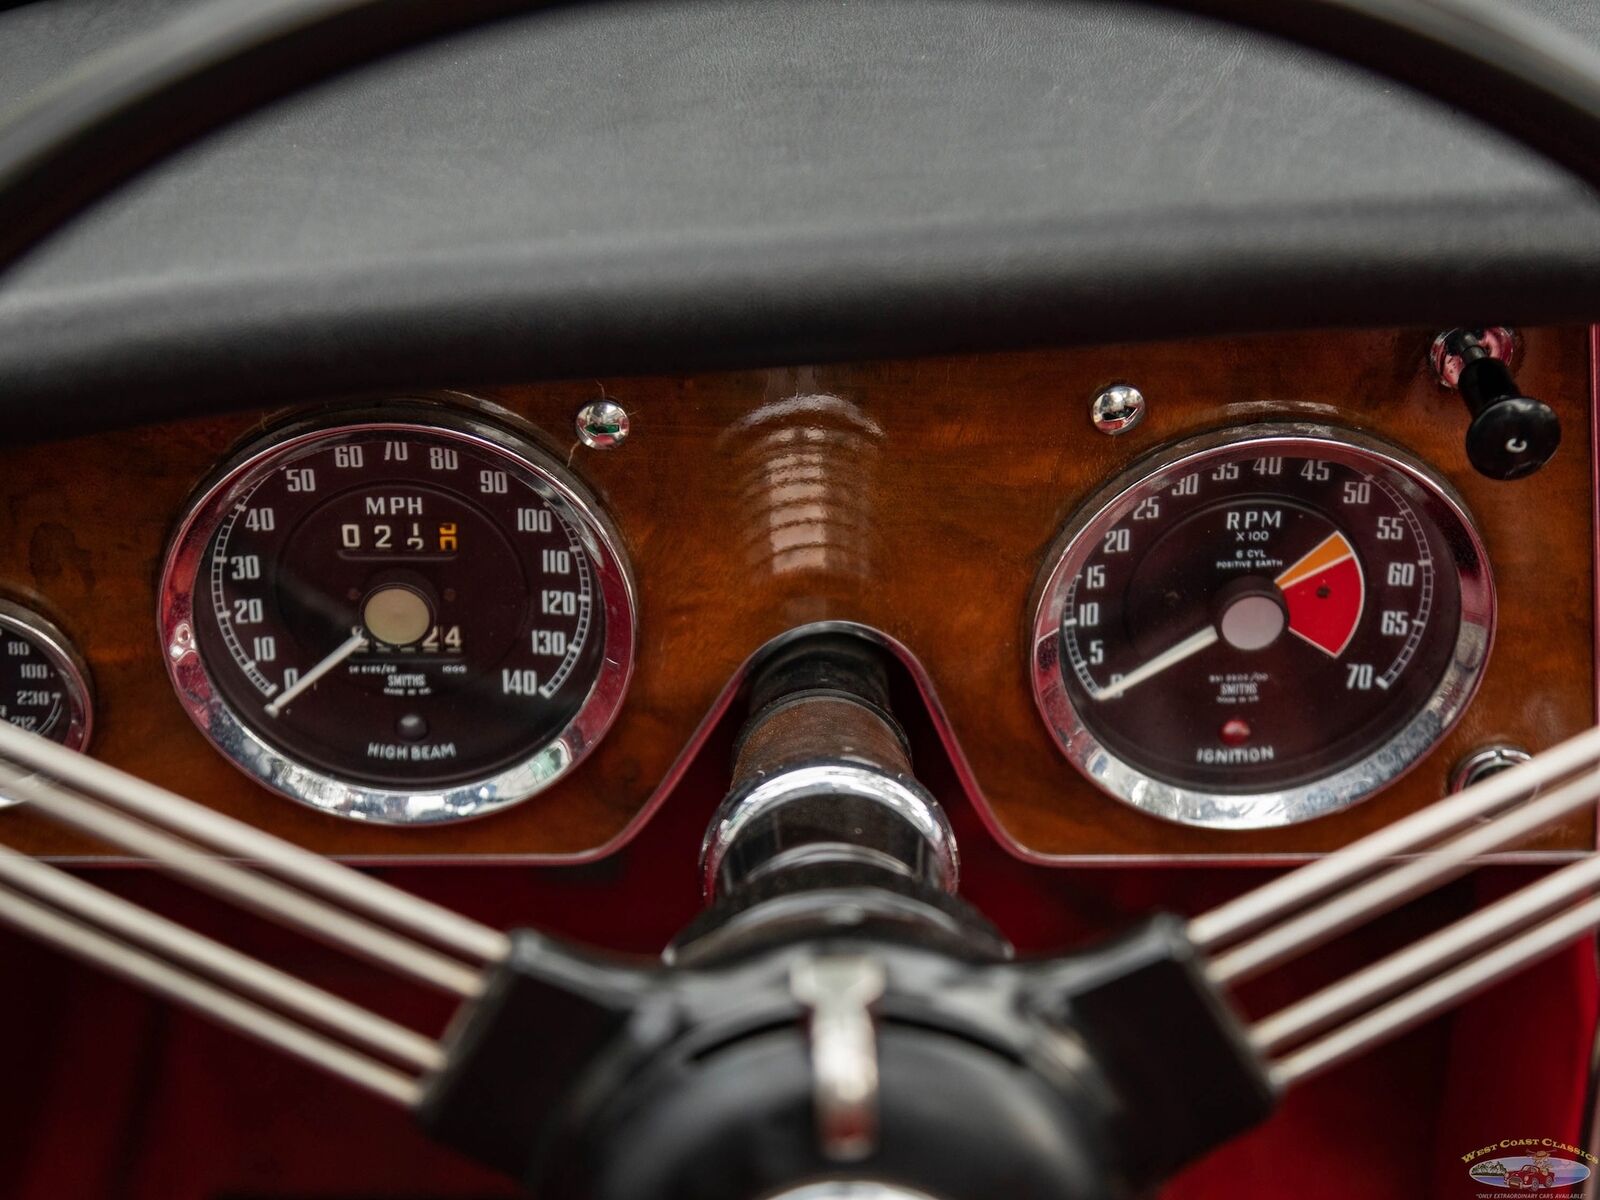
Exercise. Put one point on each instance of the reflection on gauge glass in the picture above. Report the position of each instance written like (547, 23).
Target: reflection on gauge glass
(44, 684)
(400, 615)
(1257, 627)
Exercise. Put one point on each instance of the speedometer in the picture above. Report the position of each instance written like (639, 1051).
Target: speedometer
(1258, 627)
(403, 614)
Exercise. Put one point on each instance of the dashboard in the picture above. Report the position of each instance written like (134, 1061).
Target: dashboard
(501, 622)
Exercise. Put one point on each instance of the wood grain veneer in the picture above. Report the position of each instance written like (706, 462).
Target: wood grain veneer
(918, 497)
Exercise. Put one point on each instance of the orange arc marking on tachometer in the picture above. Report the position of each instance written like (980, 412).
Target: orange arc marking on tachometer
(1326, 552)
(1325, 592)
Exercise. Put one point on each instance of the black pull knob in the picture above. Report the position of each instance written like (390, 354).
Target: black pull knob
(1511, 435)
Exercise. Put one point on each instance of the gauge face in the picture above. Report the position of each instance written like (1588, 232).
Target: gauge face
(1256, 628)
(44, 686)
(399, 621)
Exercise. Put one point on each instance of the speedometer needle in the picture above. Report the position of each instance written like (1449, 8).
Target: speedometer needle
(355, 642)
(1190, 645)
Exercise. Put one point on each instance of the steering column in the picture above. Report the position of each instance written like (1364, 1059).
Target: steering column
(838, 1014)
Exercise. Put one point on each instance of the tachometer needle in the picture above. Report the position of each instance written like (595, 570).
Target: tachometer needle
(1190, 645)
(345, 650)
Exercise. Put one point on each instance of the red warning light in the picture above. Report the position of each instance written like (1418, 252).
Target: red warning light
(1235, 732)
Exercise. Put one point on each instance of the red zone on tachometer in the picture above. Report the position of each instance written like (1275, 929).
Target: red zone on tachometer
(1325, 593)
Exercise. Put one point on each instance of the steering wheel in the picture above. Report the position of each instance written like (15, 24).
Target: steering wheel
(807, 1035)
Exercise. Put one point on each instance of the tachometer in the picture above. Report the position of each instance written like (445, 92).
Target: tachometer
(1258, 627)
(402, 615)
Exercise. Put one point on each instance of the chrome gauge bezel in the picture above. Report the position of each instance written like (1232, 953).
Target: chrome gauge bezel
(1435, 499)
(69, 666)
(320, 789)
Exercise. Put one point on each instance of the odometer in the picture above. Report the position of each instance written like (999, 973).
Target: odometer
(1259, 627)
(403, 615)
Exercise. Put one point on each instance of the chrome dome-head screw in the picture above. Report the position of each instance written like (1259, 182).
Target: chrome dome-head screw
(1117, 409)
(602, 425)
(1484, 762)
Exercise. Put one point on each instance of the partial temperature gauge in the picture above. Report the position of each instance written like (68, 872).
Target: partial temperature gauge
(402, 615)
(44, 684)
(1261, 626)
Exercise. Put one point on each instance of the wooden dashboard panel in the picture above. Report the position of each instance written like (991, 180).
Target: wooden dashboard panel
(918, 497)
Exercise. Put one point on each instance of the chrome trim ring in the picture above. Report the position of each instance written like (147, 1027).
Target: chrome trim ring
(241, 745)
(904, 797)
(1433, 497)
(69, 666)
